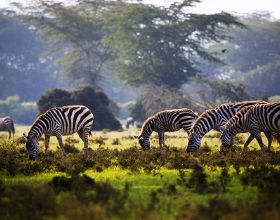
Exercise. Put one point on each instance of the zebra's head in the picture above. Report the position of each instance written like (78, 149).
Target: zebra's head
(31, 146)
(144, 142)
(226, 139)
(194, 141)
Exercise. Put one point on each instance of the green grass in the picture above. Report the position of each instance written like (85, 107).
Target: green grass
(143, 184)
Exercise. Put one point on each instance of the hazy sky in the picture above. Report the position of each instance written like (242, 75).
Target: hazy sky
(213, 6)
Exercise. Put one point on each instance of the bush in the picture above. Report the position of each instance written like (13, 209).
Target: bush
(96, 101)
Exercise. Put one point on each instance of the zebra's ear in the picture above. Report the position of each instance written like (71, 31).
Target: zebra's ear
(222, 129)
(24, 135)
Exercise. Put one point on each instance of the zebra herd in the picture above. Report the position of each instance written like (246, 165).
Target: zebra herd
(229, 119)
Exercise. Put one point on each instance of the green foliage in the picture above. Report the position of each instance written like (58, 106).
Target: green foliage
(162, 45)
(98, 200)
(53, 98)
(25, 202)
(74, 35)
(264, 177)
(224, 179)
(198, 181)
(95, 100)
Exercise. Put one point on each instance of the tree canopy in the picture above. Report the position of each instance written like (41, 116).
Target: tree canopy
(162, 45)
(74, 34)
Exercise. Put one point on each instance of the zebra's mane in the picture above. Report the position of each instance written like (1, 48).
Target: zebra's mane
(146, 122)
(38, 118)
(202, 116)
(240, 114)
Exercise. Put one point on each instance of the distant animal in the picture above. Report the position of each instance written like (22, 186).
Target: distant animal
(256, 119)
(214, 118)
(129, 121)
(166, 121)
(7, 124)
(57, 122)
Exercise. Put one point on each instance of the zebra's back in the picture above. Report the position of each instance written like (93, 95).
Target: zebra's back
(175, 119)
(218, 116)
(265, 116)
(66, 119)
(6, 124)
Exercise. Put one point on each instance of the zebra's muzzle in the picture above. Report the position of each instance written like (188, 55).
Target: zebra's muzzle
(190, 149)
(31, 158)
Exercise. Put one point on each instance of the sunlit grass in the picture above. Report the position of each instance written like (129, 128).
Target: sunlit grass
(127, 139)
(142, 184)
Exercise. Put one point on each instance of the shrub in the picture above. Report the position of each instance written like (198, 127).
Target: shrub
(95, 100)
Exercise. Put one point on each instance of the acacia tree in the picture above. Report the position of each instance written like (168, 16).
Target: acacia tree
(162, 45)
(74, 35)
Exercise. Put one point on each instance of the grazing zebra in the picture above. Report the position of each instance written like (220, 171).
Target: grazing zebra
(214, 119)
(259, 118)
(166, 121)
(60, 121)
(7, 124)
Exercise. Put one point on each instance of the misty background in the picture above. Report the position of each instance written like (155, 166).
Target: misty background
(128, 58)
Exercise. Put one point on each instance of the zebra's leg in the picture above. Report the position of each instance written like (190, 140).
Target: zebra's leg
(259, 139)
(248, 141)
(161, 138)
(59, 138)
(47, 142)
(269, 139)
(83, 134)
(9, 134)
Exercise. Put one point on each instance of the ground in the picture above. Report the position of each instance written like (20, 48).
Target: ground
(120, 181)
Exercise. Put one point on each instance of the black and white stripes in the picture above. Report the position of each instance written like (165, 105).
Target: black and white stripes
(57, 122)
(214, 119)
(7, 124)
(166, 121)
(258, 118)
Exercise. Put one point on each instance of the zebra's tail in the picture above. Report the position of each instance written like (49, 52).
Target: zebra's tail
(90, 134)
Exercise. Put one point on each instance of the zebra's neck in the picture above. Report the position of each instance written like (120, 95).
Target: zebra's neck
(236, 125)
(38, 128)
(148, 128)
(206, 122)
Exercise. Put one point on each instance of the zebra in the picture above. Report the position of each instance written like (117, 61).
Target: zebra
(7, 124)
(166, 121)
(129, 121)
(60, 121)
(214, 118)
(258, 118)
